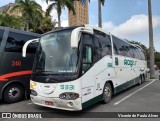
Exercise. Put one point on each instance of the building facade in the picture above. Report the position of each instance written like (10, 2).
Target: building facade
(81, 16)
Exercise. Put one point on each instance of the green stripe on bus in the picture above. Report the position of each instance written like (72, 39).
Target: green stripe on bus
(116, 90)
(126, 85)
(91, 101)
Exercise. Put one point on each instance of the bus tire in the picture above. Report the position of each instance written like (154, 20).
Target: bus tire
(144, 78)
(107, 93)
(140, 80)
(13, 93)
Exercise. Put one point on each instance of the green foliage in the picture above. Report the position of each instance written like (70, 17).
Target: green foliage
(32, 15)
(30, 11)
(11, 21)
(45, 25)
(58, 5)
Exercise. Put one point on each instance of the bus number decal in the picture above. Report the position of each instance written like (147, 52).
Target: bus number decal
(16, 63)
(67, 87)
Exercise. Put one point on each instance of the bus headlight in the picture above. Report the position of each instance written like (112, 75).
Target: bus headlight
(32, 85)
(34, 93)
(69, 96)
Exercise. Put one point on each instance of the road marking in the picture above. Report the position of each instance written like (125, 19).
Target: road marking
(133, 93)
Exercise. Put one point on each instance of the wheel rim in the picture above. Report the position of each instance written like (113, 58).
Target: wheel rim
(107, 92)
(13, 93)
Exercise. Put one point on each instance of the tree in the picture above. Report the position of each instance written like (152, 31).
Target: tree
(151, 45)
(45, 25)
(59, 5)
(10, 21)
(100, 2)
(100, 12)
(28, 8)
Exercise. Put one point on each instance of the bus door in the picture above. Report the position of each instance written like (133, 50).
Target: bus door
(87, 68)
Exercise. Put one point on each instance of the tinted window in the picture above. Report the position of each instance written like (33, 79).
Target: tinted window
(120, 45)
(16, 41)
(106, 46)
(97, 50)
(141, 54)
(115, 49)
(99, 34)
(88, 39)
(87, 59)
(97, 43)
(132, 51)
(1, 35)
(87, 55)
(126, 47)
(137, 53)
(105, 42)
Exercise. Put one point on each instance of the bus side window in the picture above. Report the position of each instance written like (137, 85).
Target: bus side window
(105, 42)
(131, 49)
(138, 56)
(119, 45)
(143, 55)
(16, 41)
(1, 35)
(97, 50)
(87, 59)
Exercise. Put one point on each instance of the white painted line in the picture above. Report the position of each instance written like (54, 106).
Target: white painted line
(133, 93)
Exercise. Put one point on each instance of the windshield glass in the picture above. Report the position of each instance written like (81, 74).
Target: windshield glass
(55, 55)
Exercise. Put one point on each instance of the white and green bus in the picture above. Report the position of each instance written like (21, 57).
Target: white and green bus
(76, 67)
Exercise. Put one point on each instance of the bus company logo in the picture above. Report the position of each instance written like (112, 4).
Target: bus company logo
(130, 62)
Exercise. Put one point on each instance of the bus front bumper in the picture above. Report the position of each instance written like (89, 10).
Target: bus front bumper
(57, 103)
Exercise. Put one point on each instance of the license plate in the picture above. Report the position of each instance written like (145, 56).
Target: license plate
(49, 103)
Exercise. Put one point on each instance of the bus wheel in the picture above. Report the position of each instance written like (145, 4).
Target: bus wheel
(13, 93)
(140, 80)
(107, 93)
(144, 78)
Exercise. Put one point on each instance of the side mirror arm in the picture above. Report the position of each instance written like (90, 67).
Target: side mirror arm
(26, 45)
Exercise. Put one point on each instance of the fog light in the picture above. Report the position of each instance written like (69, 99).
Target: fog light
(70, 104)
(69, 96)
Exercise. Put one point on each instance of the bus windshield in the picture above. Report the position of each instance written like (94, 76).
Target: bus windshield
(55, 54)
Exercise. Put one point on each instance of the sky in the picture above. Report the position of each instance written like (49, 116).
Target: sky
(127, 19)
